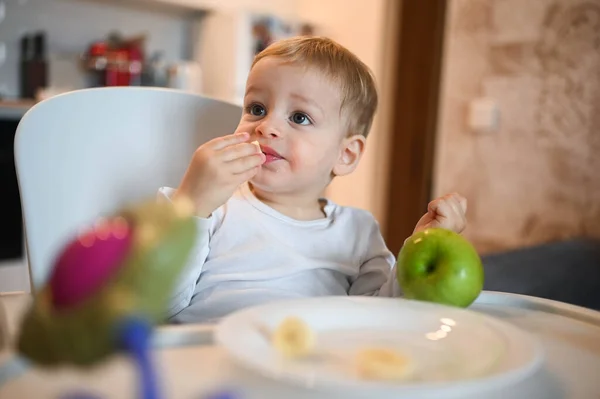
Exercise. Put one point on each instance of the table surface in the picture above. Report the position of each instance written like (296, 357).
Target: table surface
(195, 368)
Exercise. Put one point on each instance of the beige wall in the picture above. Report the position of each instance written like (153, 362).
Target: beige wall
(361, 26)
(537, 178)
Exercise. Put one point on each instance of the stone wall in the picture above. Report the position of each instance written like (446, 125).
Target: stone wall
(537, 179)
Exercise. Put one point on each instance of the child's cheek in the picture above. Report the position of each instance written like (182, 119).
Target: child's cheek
(297, 160)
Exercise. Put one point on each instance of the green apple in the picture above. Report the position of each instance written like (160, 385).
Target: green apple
(439, 265)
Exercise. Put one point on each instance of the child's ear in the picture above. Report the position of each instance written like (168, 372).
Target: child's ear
(351, 150)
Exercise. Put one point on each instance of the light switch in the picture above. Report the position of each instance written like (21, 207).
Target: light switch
(483, 115)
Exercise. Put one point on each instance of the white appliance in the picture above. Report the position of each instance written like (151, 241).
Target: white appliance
(185, 75)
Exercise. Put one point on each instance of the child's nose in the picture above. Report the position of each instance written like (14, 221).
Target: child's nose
(268, 130)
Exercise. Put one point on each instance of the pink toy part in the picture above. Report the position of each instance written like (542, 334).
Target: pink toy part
(89, 261)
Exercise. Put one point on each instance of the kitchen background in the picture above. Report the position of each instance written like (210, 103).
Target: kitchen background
(202, 46)
(529, 67)
(86, 43)
(70, 27)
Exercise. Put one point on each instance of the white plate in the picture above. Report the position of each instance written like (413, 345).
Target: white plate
(454, 351)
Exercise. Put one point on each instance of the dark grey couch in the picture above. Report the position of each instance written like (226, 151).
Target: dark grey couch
(567, 271)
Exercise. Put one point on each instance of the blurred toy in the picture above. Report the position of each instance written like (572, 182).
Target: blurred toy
(223, 395)
(108, 289)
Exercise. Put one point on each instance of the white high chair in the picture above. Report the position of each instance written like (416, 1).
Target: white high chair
(89, 152)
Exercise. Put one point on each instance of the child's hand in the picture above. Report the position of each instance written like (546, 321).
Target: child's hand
(216, 170)
(447, 212)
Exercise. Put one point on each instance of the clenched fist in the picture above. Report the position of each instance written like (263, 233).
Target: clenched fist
(447, 212)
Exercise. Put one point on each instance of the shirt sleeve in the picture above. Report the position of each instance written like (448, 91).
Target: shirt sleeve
(377, 274)
(186, 284)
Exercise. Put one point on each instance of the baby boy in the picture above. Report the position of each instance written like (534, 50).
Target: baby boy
(265, 231)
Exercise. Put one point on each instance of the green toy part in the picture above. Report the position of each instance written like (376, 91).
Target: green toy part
(163, 237)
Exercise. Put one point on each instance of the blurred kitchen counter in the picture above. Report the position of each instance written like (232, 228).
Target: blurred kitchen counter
(14, 109)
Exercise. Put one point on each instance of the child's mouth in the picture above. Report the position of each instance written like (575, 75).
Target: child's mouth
(270, 154)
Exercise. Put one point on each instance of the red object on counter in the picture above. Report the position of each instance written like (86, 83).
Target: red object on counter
(98, 49)
(117, 73)
(117, 66)
(136, 64)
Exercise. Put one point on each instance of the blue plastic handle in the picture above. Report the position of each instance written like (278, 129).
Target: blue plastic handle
(134, 335)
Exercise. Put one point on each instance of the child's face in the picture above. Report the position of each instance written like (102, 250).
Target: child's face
(294, 112)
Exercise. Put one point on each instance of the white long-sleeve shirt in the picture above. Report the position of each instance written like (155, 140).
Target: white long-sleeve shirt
(248, 254)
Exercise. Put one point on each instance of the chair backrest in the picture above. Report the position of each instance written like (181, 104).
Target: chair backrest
(86, 153)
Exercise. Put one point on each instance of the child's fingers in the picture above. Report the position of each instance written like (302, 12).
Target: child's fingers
(221, 142)
(244, 164)
(456, 207)
(462, 201)
(247, 175)
(440, 207)
(449, 212)
(463, 204)
(459, 218)
(239, 150)
(432, 206)
(458, 203)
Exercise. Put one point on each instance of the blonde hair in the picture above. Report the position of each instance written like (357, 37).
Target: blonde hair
(359, 94)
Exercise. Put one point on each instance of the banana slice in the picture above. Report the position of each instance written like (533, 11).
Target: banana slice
(294, 338)
(256, 143)
(382, 364)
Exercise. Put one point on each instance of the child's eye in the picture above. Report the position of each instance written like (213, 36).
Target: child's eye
(300, 118)
(256, 110)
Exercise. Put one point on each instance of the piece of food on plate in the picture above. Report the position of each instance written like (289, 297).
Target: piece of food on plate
(382, 364)
(294, 338)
